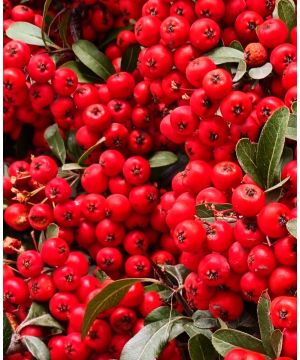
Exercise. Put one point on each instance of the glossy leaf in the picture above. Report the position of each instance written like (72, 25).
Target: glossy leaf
(200, 348)
(87, 153)
(292, 227)
(36, 347)
(162, 158)
(93, 58)
(84, 74)
(55, 142)
(286, 13)
(265, 324)
(261, 72)
(130, 57)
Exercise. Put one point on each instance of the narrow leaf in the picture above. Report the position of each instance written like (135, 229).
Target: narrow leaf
(292, 227)
(130, 57)
(84, 74)
(286, 13)
(72, 166)
(261, 72)
(154, 287)
(64, 26)
(45, 12)
(246, 155)
(276, 341)
(148, 343)
(7, 333)
(240, 71)
(28, 33)
(200, 348)
(87, 153)
(55, 142)
(162, 158)
(109, 297)
(93, 58)
(163, 312)
(52, 231)
(278, 185)
(264, 321)
(74, 151)
(225, 340)
(270, 145)
(36, 347)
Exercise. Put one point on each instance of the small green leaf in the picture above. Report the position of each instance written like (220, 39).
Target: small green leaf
(55, 142)
(74, 151)
(292, 227)
(72, 166)
(294, 107)
(7, 333)
(162, 158)
(130, 57)
(200, 348)
(52, 231)
(203, 212)
(261, 72)
(246, 155)
(36, 347)
(109, 297)
(178, 272)
(28, 33)
(84, 74)
(264, 321)
(236, 45)
(101, 275)
(160, 313)
(224, 55)
(42, 239)
(149, 342)
(225, 340)
(286, 13)
(93, 58)
(87, 153)
(240, 71)
(270, 146)
(204, 320)
(276, 341)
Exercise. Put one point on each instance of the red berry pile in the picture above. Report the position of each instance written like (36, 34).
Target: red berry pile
(160, 139)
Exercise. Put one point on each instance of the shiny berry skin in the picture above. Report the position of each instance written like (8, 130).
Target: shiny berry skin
(219, 236)
(226, 305)
(272, 33)
(197, 69)
(217, 83)
(156, 61)
(40, 216)
(16, 216)
(147, 30)
(41, 288)
(137, 266)
(213, 9)
(122, 319)
(150, 302)
(120, 85)
(267, 106)
(134, 296)
(43, 169)
(284, 312)
(237, 258)
(285, 251)
(226, 175)
(204, 34)
(272, 219)
(281, 56)
(65, 81)
(75, 348)
(189, 235)
(283, 281)
(136, 170)
(109, 259)
(13, 80)
(66, 278)
(112, 162)
(289, 344)
(61, 304)
(236, 107)
(248, 199)
(202, 105)
(55, 251)
(41, 67)
(289, 76)
(94, 180)
(110, 233)
(29, 263)
(136, 243)
(96, 117)
(16, 54)
(174, 31)
(56, 347)
(22, 13)
(245, 25)
(58, 190)
(99, 336)
(67, 214)
(214, 269)
(15, 290)
(261, 260)
(183, 120)
(252, 286)
(78, 261)
(247, 233)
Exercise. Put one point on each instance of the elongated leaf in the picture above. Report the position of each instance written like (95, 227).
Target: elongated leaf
(224, 55)
(193, 330)
(130, 57)
(87, 153)
(162, 158)
(204, 320)
(154, 287)
(74, 151)
(265, 324)
(246, 155)
(276, 341)
(7, 333)
(36, 347)
(64, 26)
(236, 45)
(286, 13)
(163, 312)
(55, 142)
(261, 72)
(52, 231)
(72, 166)
(28, 33)
(42, 239)
(148, 343)
(84, 74)
(44, 22)
(240, 71)
(200, 348)
(270, 146)
(203, 212)
(278, 185)
(225, 340)
(292, 227)
(109, 297)
(94, 59)
(179, 272)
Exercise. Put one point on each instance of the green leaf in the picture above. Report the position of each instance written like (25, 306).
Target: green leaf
(45, 12)
(274, 193)
(276, 341)
(7, 333)
(87, 153)
(292, 227)
(64, 26)
(74, 151)
(101, 275)
(270, 146)
(193, 330)
(240, 71)
(93, 58)
(203, 210)
(112, 34)
(42, 239)
(294, 107)
(37, 315)
(162, 158)
(179, 272)
(246, 155)
(55, 142)
(160, 313)
(154, 287)
(204, 320)
(52, 231)
(286, 13)
(261, 72)
(266, 327)
(130, 57)
(109, 297)
(148, 343)
(224, 55)
(236, 45)
(291, 133)
(72, 166)
(36, 347)
(84, 74)
(28, 33)
(225, 340)
(200, 348)
(278, 185)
